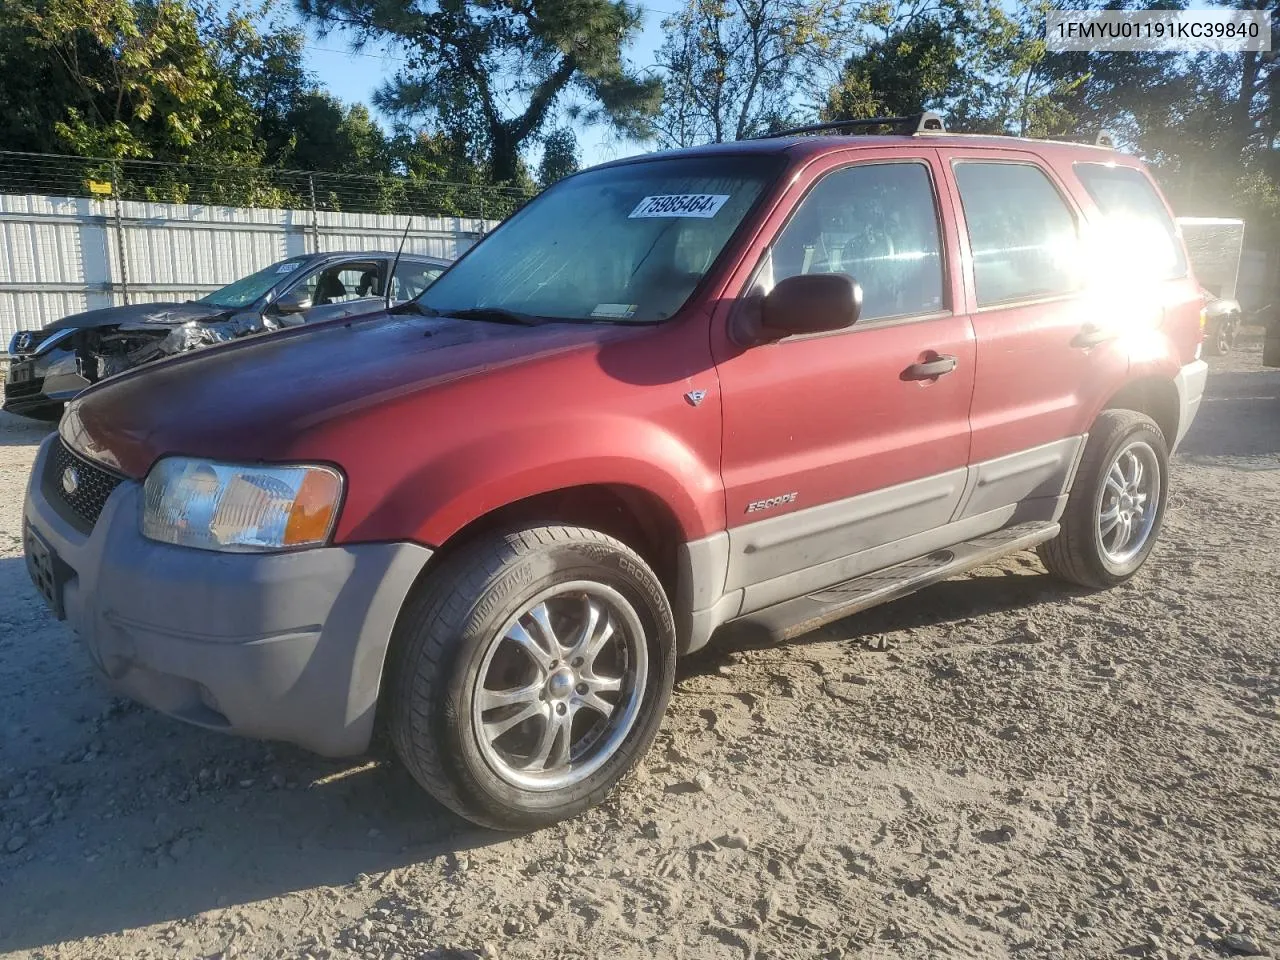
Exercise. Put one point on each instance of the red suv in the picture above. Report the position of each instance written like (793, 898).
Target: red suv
(765, 383)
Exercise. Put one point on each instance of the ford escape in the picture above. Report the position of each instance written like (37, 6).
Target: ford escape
(754, 385)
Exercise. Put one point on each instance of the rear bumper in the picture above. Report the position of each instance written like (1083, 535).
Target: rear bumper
(278, 646)
(1189, 381)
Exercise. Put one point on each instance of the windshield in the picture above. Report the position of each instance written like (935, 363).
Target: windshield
(621, 244)
(246, 290)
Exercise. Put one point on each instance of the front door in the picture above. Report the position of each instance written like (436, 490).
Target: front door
(841, 442)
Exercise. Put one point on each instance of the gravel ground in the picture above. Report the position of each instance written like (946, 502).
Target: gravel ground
(996, 767)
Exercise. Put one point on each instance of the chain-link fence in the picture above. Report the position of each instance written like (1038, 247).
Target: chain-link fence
(258, 187)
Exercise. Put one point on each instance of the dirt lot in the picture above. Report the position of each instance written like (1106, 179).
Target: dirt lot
(997, 767)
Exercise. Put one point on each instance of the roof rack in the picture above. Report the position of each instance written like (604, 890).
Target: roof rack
(925, 122)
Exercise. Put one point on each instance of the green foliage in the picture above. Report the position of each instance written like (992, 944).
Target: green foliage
(733, 69)
(325, 135)
(559, 157)
(138, 79)
(491, 73)
(915, 67)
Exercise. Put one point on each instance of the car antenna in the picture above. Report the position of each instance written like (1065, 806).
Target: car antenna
(386, 293)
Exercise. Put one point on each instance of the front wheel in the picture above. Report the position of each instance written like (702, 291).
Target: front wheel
(1117, 503)
(1222, 335)
(530, 673)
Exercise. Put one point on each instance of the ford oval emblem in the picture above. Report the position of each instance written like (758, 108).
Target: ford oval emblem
(70, 481)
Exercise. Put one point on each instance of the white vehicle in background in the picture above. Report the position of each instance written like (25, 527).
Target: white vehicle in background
(1214, 245)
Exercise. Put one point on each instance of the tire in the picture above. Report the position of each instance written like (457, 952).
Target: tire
(476, 618)
(1080, 554)
(1222, 335)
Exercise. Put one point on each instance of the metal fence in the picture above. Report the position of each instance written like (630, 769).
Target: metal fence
(256, 187)
(78, 234)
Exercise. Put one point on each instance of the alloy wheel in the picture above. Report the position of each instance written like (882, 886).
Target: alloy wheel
(560, 687)
(1128, 502)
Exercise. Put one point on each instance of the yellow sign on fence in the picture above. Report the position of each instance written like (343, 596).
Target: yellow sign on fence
(100, 187)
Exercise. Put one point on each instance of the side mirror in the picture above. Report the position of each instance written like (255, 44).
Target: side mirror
(808, 303)
(811, 303)
(296, 300)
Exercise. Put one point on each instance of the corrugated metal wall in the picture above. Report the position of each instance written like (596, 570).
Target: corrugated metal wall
(62, 255)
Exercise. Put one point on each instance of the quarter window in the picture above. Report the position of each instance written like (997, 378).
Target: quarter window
(1137, 231)
(875, 222)
(1022, 235)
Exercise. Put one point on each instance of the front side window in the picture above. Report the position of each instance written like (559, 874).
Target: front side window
(1137, 233)
(344, 281)
(246, 290)
(878, 224)
(624, 244)
(1023, 237)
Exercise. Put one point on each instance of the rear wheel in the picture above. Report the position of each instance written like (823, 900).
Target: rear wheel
(530, 674)
(1116, 506)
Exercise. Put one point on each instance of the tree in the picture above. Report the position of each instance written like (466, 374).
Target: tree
(325, 135)
(34, 89)
(913, 68)
(559, 157)
(492, 72)
(138, 79)
(982, 65)
(736, 68)
(266, 65)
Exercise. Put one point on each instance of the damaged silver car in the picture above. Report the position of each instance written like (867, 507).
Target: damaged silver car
(49, 366)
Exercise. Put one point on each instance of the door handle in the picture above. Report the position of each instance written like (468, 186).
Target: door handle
(1091, 335)
(929, 369)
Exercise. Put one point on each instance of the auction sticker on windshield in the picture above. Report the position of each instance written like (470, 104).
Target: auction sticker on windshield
(704, 205)
(614, 311)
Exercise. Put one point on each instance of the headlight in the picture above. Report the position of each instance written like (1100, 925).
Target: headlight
(239, 508)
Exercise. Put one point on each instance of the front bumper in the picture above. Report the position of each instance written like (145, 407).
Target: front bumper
(38, 386)
(286, 646)
(1189, 381)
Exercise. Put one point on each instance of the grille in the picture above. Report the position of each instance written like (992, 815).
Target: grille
(83, 505)
(25, 341)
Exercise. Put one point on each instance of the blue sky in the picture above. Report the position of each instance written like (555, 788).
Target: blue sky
(353, 77)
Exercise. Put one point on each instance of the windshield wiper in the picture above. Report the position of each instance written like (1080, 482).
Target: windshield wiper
(492, 315)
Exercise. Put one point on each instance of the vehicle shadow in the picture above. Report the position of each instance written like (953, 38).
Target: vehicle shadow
(228, 849)
(1239, 417)
(113, 816)
(946, 602)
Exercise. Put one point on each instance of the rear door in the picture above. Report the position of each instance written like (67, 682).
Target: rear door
(1042, 367)
(836, 443)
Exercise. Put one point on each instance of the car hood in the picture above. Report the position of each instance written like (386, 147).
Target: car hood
(259, 399)
(141, 315)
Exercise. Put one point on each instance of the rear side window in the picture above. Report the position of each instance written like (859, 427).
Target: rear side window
(875, 222)
(412, 278)
(1023, 236)
(1137, 231)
